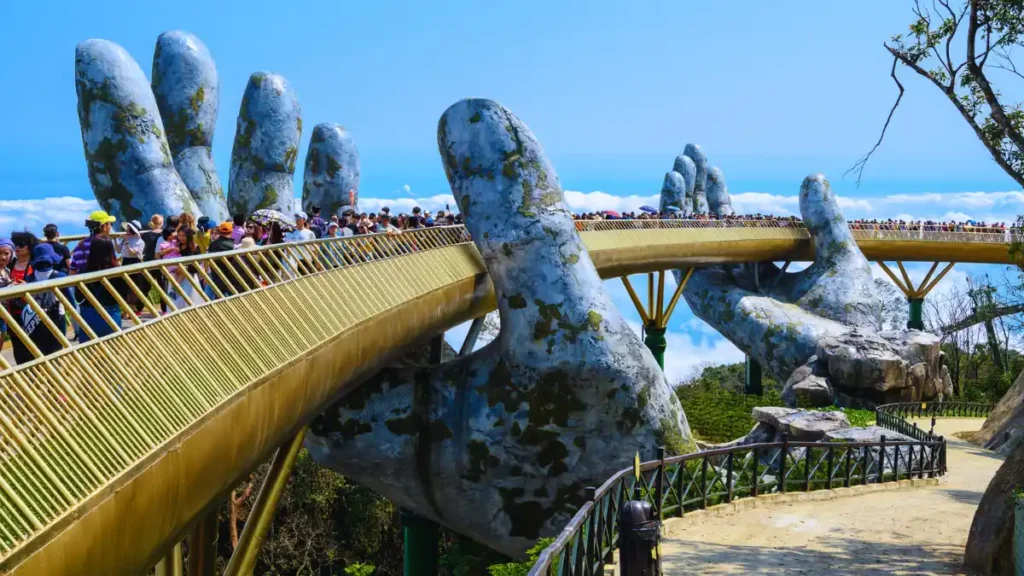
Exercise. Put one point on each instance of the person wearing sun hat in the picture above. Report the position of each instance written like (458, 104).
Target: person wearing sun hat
(99, 224)
(44, 262)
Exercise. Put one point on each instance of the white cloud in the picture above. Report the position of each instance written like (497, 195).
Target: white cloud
(66, 212)
(956, 216)
(398, 205)
(407, 188)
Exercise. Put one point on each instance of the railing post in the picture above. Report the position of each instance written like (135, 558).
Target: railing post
(881, 459)
(807, 469)
(243, 560)
(942, 455)
(703, 482)
(830, 467)
(864, 465)
(658, 485)
(757, 475)
(595, 560)
(848, 471)
(728, 478)
(784, 453)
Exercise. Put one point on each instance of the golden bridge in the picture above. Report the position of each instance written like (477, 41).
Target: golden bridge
(117, 449)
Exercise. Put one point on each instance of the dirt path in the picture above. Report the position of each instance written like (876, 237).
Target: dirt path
(907, 531)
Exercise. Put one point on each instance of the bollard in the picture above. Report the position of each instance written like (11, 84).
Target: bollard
(639, 537)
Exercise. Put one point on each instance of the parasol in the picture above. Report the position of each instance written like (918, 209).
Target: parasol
(266, 216)
(649, 209)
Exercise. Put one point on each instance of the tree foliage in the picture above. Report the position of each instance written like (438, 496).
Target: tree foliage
(965, 49)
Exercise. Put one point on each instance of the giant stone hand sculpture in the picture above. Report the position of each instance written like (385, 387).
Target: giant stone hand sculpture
(816, 329)
(331, 178)
(126, 152)
(266, 146)
(188, 94)
(500, 444)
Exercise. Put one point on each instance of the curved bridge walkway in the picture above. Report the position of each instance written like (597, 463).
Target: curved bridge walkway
(111, 450)
(906, 531)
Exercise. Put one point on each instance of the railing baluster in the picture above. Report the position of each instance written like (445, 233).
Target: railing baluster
(703, 482)
(808, 452)
(658, 488)
(784, 453)
(728, 477)
(757, 475)
(864, 466)
(829, 467)
(846, 475)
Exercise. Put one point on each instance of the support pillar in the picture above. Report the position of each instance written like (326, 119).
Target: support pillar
(171, 565)
(243, 560)
(655, 341)
(202, 546)
(752, 377)
(915, 321)
(436, 349)
(471, 336)
(419, 542)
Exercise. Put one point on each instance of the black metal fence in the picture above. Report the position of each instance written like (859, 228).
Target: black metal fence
(681, 484)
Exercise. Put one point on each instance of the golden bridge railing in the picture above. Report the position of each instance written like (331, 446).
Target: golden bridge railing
(73, 421)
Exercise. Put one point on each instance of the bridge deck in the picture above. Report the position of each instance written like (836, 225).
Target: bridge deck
(113, 448)
(915, 531)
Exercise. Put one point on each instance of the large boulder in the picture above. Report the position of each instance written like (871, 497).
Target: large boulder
(1004, 427)
(801, 425)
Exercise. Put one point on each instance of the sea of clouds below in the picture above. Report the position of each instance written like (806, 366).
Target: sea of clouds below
(691, 342)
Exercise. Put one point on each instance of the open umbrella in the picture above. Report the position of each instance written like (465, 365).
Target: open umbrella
(266, 216)
(612, 213)
(674, 209)
(649, 209)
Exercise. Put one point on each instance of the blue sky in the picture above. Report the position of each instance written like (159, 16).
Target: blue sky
(772, 91)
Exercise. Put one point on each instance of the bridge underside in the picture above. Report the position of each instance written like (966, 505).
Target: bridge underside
(264, 363)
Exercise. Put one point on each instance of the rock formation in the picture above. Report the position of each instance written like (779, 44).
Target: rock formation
(266, 146)
(188, 95)
(700, 162)
(129, 161)
(331, 178)
(685, 168)
(501, 444)
(825, 312)
(1004, 428)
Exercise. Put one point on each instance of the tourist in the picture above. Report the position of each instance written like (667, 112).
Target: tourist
(333, 229)
(6, 256)
(98, 224)
(185, 239)
(151, 237)
(224, 243)
(238, 229)
(203, 233)
(44, 267)
(102, 256)
(53, 239)
(316, 223)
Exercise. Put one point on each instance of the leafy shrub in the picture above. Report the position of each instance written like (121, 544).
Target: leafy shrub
(521, 568)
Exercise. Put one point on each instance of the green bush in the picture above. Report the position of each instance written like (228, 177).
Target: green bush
(520, 568)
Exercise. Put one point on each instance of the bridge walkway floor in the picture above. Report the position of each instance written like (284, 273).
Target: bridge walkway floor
(906, 531)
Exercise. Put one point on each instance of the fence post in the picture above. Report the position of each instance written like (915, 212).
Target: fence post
(807, 469)
(728, 477)
(942, 455)
(846, 476)
(830, 467)
(703, 482)
(782, 463)
(757, 475)
(864, 465)
(658, 487)
(881, 459)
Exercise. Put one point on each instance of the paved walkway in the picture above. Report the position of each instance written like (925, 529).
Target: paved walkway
(906, 531)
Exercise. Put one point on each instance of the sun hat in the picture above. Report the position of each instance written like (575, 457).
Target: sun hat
(43, 252)
(101, 217)
(247, 242)
(132, 226)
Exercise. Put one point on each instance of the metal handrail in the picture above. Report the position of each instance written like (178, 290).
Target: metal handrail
(678, 484)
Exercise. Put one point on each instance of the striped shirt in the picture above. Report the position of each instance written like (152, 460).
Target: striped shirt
(80, 255)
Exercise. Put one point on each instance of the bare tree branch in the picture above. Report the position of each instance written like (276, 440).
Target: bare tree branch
(863, 161)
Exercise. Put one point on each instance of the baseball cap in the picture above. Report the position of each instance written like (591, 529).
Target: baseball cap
(101, 217)
(301, 214)
(204, 223)
(226, 228)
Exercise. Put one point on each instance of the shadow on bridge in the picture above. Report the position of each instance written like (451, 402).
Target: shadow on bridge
(836, 555)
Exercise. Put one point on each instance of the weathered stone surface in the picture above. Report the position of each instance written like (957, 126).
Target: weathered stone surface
(700, 162)
(130, 166)
(187, 93)
(1007, 416)
(812, 426)
(759, 434)
(770, 414)
(946, 389)
(331, 178)
(718, 193)
(685, 167)
(812, 391)
(865, 434)
(827, 309)
(266, 146)
(673, 191)
(562, 398)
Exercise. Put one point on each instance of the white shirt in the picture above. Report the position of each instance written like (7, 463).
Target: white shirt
(300, 235)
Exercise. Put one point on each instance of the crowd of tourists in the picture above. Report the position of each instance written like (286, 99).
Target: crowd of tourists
(26, 258)
(740, 220)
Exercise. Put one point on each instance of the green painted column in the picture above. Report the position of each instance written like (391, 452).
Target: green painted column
(752, 377)
(419, 541)
(916, 319)
(655, 341)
